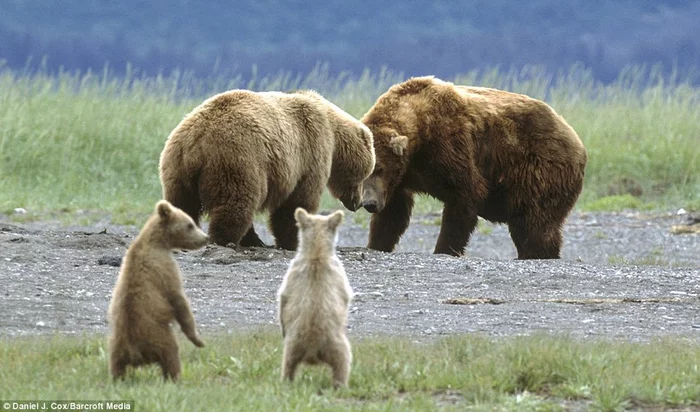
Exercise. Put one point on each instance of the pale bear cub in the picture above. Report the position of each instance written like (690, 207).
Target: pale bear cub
(148, 295)
(314, 299)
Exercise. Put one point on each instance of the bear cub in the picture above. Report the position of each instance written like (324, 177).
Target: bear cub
(314, 299)
(148, 295)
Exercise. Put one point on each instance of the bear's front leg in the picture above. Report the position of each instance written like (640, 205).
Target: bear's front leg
(458, 223)
(183, 315)
(282, 223)
(387, 226)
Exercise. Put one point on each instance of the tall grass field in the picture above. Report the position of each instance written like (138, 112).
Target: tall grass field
(92, 141)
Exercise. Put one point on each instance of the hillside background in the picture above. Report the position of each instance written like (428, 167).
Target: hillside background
(413, 37)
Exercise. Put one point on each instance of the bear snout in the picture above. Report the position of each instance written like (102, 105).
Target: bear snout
(370, 206)
(351, 200)
(351, 204)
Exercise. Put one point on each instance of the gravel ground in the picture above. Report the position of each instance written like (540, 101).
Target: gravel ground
(622, 275)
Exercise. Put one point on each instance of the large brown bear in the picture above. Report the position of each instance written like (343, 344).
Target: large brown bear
(241, 152)
(483, 152)
(148, 295)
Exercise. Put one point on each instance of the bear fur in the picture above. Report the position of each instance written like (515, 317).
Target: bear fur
(483, 152)
(149, 295)
(314, 299)
(241, 152)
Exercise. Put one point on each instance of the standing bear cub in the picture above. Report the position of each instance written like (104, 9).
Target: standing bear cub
(148, 295)
(483, 152)
(314, 299)
(241, 152)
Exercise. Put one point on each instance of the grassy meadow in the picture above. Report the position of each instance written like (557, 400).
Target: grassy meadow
(241, 372)
(91, 141)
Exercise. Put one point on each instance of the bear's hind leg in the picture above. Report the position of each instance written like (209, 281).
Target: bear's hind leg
(536, 242)
(339, 358)
(169, 359)
(187, 200)
(293, 354)
(118, 366)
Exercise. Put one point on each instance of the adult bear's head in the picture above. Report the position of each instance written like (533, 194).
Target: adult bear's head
(352, 164)
(389, 170)
(353, 151)
(394, 122)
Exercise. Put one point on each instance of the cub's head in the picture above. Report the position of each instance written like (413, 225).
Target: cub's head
(392, 154)
(317, 233)
(176, 229)
(352, 163)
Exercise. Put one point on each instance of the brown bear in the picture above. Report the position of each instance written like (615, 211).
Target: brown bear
(241, 152)
(148, 295)
(314, 299)
(483, 152)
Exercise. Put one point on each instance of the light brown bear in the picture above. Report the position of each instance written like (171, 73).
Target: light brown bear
(241, 152)
(314, 299)
(148, 295)
(483, 152)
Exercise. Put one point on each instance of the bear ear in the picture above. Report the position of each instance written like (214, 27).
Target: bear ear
(399, 144)
(335, 219)
(301, 216)
(164, 209)
(367, 136)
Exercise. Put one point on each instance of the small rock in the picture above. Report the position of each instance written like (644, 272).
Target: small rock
(115, 261)
(20, 210)
(40, 323)
(681, 211)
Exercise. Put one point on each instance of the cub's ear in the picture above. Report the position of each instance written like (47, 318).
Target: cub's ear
(164, 209)
(398, 144)
(301, 216)
(335, 219)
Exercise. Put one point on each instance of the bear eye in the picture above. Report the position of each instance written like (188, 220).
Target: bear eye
(378, 170)
(190, 226)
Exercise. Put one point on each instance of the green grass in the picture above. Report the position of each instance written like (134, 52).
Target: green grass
(78, 141)
(615, 203)
(241, 371)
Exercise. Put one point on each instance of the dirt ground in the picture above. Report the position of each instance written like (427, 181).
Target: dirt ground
(623, 276)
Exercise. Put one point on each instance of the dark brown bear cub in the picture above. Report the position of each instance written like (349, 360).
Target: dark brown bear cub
(483, 152)
(148, 295)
